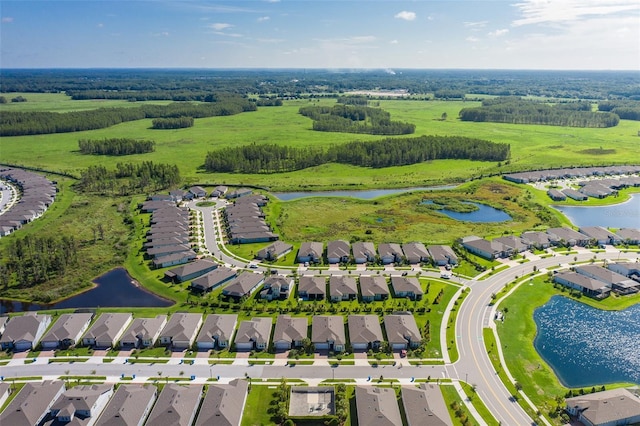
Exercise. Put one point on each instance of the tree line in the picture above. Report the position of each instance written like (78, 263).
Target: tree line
(515, 110)
(626, 110)
(14, 123)
(128, 178)
(115, 146)
(355, 119)
(172, 123)
(271, 158)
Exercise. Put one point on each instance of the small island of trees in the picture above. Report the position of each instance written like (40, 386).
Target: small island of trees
(115, 146)
(355, 119)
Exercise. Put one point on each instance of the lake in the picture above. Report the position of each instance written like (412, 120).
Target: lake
(114, 289)
(624, 215)
(483, 214)
(586, 346)
(362, 194)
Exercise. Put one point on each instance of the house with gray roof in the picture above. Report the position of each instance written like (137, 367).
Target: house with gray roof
(600, 235)
(363, 252)
(224, 404)
(143, 332)
(402, 331)
(174, 259)
(327, 333)
(217, 331)
(107, 329)
(176, 405)
(342, 287)
(442, 255)
(611, 407)
(487, 249)
(338, 251)
(425, 406)
(406, 287)
(373, 287)
(629, 235)
(191, 270)
(390, 253)
(536, 239)
(79, 405)
(575, 195)
(365, 332)
(567, 237)
(23, 333)
(254, 334)
(32, 403)
(129, 406)
(310, 252)
(312, 288)
(181, 330)
(66, 331)
(243, 285)
(274, 251)
(239, 192)
(415, 253)
(588, 286)
(289, 332)
(377, 406)
(556, 195)
(276, 287)
(213, 279)
(517, 244)
(198, 191)
(616, 282)
(219, 191)
(628, 269)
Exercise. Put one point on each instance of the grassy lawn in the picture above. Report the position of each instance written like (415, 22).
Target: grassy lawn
(256, 409)
(452, 399)
(451, 329)
(479, 405)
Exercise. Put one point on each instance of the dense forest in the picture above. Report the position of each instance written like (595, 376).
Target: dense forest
(128, 178)
(626, 110)
(172, 123)
(14, 123)
(355, 119)
(515, 110)
(271, 158)
(115, 146)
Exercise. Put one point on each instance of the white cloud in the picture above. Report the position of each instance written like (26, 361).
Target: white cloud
(498, 33)
(219, 26)
(270, 40)
(393, 42)
(236, 35)
(100, 25)
(272, 1)
(478, 24)
(407, 16)
(7, 20)
(472, 39)
(263, 18)
(537, 11)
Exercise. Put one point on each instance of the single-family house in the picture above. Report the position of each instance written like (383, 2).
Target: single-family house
(289, 332)
(629, 235)
(575, 195)
(223, 404)
(181, 330)
(611, 407)
(567, 237)
(390, 253)
(190, 270)
(129, 406)
(338, 251)
(23, 333)
(600, 235)
(176, 405)
(174, 259)
(342, 287)
(327, 333)
(486, 249)
(276, 287)
(178, 195)
(239, 192)
(516, 244)
(274, 251)
(107, 329)
(219, 191)
(198, 191)
(377, 406)
(536, 239)
(425, 406)
(243, 285)
(363, 252)
(310, 252)
(66, 331)
(254, 334)
(415, 253)
(589, 286)
(402, 331)
(556, 195)
(365, 332)
(406, 287)
(32, 403)
(616, 282)
(79, 405)
(628, 269)
(442, 255)
(217, 331)
(143, 332)
(373, 287)
(312, 288)
(213, 279)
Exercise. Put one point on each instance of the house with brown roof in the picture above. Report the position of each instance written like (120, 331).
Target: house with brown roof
(107, 329)
(23, 333)
(390, 253)
(32, 403)
(406, 287)
(363, 252)
(442, 255)
(425, 406)
(373, 287)
(66, 331)
(79, 405)
(217, 331)
(600, 235)
(310, 252)
(536, 239)
(402, 331)
(181, 330)
(223, 404)
(213, 279)
(517, 244)
(274, 251)
(243, 285)
(289, 332)
(342, 287)
(415, 253)
(129, 406)
(176, 405)
(327, 333)
(377, 406)
(487, 249)
(567, 237)
(365, 332)
(276, 287)
(629, 235)
(254, 334)
(338, 251)
(143, 332)
(611, 407)
(312, 288)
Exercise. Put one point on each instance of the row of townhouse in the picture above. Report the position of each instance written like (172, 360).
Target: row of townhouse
(509, 245)
(51, 403)
(370, 288)
(596, 281)
(360, 252)
(37, 195)
(600, 188)
(570, 173)
(244, 221)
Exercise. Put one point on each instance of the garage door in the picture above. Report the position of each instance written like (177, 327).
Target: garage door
(321, 346)
(360, 346)
(282, 346)
(398, 346)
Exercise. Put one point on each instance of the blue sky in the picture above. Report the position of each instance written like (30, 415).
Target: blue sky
(517, 34)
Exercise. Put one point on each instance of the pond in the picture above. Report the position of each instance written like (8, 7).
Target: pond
(114, 289)
(361, 194)
(482, 213)
(586, 346)
(623, 215)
